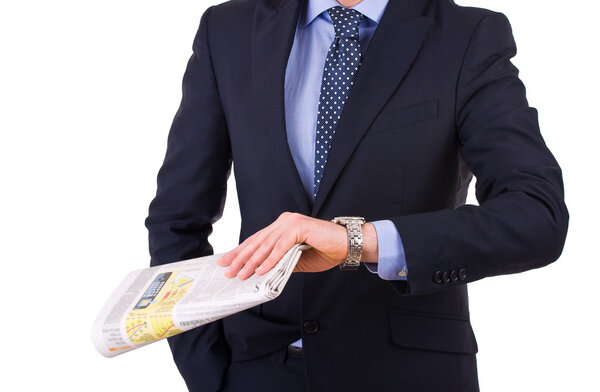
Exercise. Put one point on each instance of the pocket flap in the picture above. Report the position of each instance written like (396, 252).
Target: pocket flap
(432, 333)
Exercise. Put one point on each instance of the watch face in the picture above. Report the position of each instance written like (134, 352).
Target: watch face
(347, 219)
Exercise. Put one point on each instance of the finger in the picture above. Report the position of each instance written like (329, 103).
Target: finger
(235, 258)
(228, 258)
(263, 251)
(243, 257)
(284, 244)
(240, 260)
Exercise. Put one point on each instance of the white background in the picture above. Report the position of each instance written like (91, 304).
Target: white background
(88, 90)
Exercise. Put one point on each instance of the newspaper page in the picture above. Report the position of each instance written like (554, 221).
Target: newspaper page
(162, 301)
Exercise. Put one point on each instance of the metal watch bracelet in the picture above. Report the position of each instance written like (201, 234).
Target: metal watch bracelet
(355, 240)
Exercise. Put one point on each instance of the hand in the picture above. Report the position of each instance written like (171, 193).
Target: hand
(329, 246)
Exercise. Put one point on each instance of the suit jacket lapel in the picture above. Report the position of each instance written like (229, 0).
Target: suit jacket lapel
(392, 49)
(272, 37)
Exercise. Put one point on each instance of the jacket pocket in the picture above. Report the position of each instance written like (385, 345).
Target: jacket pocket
(432, 333)
(393, 118)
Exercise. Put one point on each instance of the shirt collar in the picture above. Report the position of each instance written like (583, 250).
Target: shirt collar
(372, 9)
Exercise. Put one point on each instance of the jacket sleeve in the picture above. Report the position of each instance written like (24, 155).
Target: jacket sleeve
(190, 198)
(521, 220)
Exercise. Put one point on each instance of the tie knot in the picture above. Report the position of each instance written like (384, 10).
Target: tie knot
(345, 21)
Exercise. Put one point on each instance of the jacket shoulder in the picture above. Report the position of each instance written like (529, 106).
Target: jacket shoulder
(462, 12)
(457, 19)
(233, 8)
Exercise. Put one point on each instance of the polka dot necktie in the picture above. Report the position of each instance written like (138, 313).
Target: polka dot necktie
(341, 65)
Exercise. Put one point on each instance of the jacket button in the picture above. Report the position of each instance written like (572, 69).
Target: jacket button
(453, 276)
(311, 326)
(446, 277)
(437, 277)
(462, 274)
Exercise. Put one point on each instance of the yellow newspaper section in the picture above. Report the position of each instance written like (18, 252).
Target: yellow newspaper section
(151, 318)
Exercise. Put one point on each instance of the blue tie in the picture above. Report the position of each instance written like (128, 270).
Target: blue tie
(341, 65)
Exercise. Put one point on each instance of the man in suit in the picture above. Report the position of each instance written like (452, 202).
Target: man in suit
(425, 96)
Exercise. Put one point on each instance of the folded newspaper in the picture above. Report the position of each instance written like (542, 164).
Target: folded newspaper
(162, 301)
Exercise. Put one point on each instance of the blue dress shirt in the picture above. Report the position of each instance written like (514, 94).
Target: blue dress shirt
(304, 72)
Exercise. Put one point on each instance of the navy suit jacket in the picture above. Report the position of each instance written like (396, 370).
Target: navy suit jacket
(436, 101)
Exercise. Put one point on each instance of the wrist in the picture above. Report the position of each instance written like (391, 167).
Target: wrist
(370, 249)
(370, 252)
(360, 242)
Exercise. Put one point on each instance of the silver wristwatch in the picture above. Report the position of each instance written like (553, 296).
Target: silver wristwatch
(355, 240)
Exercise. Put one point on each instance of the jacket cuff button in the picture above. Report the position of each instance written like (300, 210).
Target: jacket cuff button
(437, 277)
(453, 276)
(446, 277)
(462, 274)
